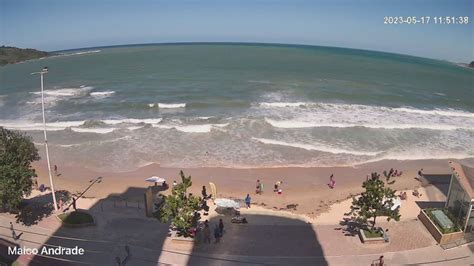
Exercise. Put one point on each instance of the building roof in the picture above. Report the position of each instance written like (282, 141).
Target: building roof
(465, 175)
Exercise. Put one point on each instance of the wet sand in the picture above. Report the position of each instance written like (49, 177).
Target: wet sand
(306, 187)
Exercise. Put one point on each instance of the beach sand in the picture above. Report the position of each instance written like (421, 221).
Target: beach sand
(306, 187)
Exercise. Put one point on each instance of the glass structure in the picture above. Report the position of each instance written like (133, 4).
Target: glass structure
(459, 205)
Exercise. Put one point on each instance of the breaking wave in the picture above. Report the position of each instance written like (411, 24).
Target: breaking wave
(314, 147)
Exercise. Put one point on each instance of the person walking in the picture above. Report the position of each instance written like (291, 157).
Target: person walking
(207, 233)
(74, 204)
(204, 193)
(258, 191)
(14, 236)
(221, 227)
(332, 182)
(248, 200)
(217, 235)
(55, 170)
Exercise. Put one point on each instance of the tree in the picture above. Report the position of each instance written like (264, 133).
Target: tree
(179, 207)
(17, 152)
(375, 201)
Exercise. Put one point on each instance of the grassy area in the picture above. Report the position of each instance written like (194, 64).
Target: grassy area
(372, 233)
(455, 228)
(76, 218)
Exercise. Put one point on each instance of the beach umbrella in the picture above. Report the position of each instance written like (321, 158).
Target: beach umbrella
(155, 179)
(227, 203)
(396, 204)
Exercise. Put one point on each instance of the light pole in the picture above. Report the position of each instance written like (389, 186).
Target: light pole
(42, 72)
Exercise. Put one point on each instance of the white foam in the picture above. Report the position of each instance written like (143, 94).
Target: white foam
(440, 112)
(134, 128)
(307, 124)
(416, 155)
(78, 53)
(92, 130)
(284, 104)
(171, 105)
(206, 128)
(307, 115)
(66, 92)
(312, 147)
(102, 93)
(34, 126)
(132, 121)
(151, 105)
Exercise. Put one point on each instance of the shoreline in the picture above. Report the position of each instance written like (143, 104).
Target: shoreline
(304, 186)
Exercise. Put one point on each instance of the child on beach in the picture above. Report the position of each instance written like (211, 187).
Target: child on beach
(332, 182)
(247, 200)
(258, 187)
(277, 185)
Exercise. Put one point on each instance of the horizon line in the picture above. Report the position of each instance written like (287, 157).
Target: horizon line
(252, 43)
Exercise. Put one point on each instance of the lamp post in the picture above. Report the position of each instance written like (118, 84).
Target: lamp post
(41, 73)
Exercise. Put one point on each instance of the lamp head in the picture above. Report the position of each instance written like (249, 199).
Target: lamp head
(45, 70)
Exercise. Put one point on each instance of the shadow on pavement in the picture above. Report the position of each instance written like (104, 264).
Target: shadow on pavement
(35, 209)
(440, 181)
(121, 232)
(264, 239)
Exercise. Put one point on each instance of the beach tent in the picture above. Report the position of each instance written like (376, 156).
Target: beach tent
(155, 179)
(227, 203)
(213, 190)
(396, 204)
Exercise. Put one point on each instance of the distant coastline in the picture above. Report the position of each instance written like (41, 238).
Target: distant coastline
(12, 55)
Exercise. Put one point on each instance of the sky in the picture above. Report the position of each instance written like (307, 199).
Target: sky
(67, 24)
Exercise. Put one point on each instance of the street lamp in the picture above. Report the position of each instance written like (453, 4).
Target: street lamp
(42, 72)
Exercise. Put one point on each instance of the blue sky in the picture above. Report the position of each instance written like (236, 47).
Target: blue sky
(66, 24)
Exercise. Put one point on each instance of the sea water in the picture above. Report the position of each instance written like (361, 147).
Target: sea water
(241, 105)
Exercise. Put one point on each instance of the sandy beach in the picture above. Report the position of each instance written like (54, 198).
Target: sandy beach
(306, 187)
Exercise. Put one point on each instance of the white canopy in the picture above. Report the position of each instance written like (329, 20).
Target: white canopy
(396, 203)
(227, 203)
(155, 179)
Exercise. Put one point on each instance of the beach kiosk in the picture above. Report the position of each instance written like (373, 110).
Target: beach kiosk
(460, 200)
(453, 225)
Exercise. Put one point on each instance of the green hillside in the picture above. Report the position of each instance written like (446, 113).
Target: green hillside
(11, 55)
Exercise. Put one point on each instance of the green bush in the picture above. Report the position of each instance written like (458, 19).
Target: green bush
(371, 233)
(76, 217)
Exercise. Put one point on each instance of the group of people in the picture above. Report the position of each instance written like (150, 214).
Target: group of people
(218, 232)
(392, 173)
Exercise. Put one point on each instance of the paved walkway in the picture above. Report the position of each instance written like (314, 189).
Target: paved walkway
(269, 238)
(290, 244)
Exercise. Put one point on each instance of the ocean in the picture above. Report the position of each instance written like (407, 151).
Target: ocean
(240, 105)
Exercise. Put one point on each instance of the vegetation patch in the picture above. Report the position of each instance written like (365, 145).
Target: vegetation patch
(443, 230)
(372, 233)
(76, 218)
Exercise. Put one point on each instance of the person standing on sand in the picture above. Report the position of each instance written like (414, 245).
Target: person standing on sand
(332, 182)
(217, 235)
(13, 230)
(221, 227)
(248, 200)
(55, 170)
(257, 191)
(420, 173)
(204, 192)
(74, 204)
